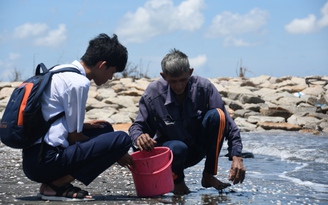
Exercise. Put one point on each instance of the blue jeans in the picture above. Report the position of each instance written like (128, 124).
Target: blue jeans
(83, 160)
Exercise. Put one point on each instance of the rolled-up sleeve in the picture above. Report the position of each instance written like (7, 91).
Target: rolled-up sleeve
(141, 124)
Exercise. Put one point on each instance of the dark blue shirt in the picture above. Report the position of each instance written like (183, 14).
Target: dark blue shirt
(163, 118)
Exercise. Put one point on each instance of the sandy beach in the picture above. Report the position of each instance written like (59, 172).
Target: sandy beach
(281, 172)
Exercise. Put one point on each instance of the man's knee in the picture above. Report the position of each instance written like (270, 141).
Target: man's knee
(178, 148)
(213, 116)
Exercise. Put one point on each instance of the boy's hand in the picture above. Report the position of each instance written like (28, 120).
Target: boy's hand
(126, 161)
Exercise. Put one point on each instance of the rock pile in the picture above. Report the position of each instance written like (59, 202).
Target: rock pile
(256, 104)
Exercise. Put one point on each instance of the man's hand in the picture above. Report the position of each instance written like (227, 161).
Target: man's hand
(145, 142)
(237, 171)
(126, 160)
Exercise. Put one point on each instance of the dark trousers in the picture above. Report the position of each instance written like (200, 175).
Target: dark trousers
(83, 160)
(208, 144)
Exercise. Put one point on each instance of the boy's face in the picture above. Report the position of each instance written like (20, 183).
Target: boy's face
(178, 84)
(104, 74)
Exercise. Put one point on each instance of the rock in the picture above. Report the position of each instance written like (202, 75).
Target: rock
(306, 122)
(250, 98)
(314, 90)
(323, 126)
(291, 100)
(235, 105)
(5, 92)
(240, 113)
(94, 103)
(279, 126)
(243, 125)
(258, 103)
(252, 107)
(132, 92)
(100, 113)
(122, 117)
(221, 89)
(234, 93)
(278, 111)
(257, 119)
(247, 155)
(3, 104)
(251, 113)
(105, 93)
(260, 79)
(323, 109)
(121, 101)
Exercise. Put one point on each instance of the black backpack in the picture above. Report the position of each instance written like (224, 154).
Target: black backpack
(22, 123)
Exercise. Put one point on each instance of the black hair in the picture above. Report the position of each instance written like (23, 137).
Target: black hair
(104, 48)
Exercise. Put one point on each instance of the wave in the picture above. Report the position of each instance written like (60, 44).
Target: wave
(294, 147)
(316, 186)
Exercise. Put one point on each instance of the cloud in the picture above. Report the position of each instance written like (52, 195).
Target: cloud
(157, 17)
(305, 25)
(30, 29)
(40, 34)
(324, 12)
(236, 42)
(309, 24)
(198, 61)
(229, 25)
(53, 38)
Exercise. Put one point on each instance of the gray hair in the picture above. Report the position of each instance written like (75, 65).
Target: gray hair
(175, 63)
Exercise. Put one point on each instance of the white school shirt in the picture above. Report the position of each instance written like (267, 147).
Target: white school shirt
(68, 92)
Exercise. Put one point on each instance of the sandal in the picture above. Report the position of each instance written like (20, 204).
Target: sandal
(69, 196)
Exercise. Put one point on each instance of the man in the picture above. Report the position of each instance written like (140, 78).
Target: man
(73, 149)
(186, 114)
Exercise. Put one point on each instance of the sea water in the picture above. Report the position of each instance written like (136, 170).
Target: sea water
(298, 161)
(287, 168)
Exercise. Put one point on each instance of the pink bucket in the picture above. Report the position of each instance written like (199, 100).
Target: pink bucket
(152, 175)
(151, 161)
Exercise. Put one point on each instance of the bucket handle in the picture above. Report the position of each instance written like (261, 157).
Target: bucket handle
(158, 171)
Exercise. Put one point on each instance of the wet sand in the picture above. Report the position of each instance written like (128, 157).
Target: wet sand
(263, 185)
(115, 186)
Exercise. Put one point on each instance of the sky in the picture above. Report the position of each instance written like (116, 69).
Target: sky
(276, 38)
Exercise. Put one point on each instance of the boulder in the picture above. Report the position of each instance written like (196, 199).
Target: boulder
(257, 119)
(279, 126)
(278, 111)
(243, 125)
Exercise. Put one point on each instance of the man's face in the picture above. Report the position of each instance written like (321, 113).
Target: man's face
(178, 84)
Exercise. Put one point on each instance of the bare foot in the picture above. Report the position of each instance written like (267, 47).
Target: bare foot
(209, 180)
(181, 188)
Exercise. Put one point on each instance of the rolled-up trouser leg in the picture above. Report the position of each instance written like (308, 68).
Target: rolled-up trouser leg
(214, 124)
